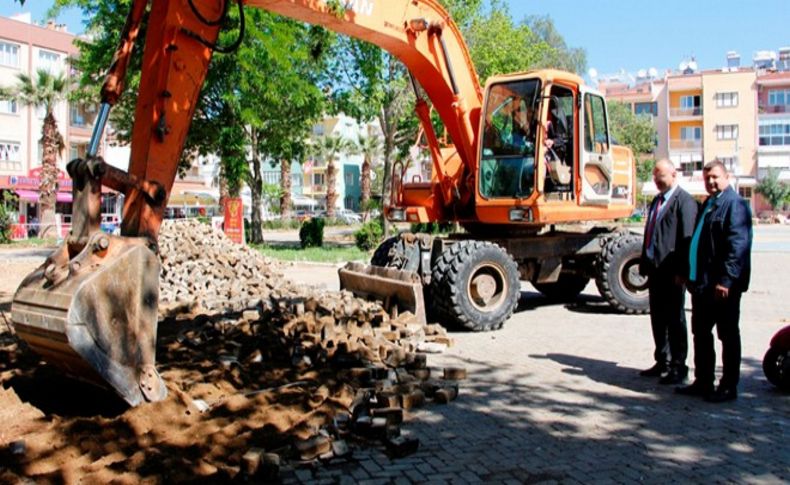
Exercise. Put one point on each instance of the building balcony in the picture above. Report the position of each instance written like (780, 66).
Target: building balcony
(770, 110)
(314, 190)
(685, 145)
(685, 113)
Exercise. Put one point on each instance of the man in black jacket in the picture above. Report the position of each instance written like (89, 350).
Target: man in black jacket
(719, 272)
(668, 231)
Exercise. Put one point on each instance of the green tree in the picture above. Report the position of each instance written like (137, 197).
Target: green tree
(369, 146)
(257, 104)
(775, 192)
(45, 90)
(553, 50)
(637, 132)
(499, 45)
(328, 149)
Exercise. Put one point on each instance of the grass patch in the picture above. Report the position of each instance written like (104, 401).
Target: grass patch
(30, 242)
(326, 254)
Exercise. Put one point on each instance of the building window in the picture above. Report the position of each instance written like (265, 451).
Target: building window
(775, 134)
(318, 179)
(49, 61)
(10, 151)
(726, 100)
(77, 116)
(688, 168)
(349, 179)
(9, 54)
(318, 130)
(8, 106)
(646, 108)
(779, 97)
(690, 133)
(745, 192)
(727, 132)
(691, 103)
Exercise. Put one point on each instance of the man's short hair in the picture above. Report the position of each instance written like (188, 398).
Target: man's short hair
(713, 164)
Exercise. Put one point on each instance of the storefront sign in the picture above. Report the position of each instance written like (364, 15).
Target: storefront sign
(234, 220)
(32, 181)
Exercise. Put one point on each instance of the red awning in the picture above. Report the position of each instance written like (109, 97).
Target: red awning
(32, 196)
(28, 195)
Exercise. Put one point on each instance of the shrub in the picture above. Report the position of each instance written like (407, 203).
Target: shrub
(6, 220)
(433, 227)
(369, 235)
(282, 224)
(311, 234)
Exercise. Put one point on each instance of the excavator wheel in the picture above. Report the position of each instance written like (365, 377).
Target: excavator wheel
(618, 280)
(475, 285)
(565, 289)
(381, 256)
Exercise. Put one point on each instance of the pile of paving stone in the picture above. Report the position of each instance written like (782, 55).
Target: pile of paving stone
(333, 352)
(202, 271)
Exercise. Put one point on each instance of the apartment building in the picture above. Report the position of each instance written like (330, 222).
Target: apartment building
(349, 166)
(26, 48)
(701, 116)
(773, 119)
(644, 98)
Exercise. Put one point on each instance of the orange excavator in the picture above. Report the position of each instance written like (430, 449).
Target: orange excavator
(529, 152)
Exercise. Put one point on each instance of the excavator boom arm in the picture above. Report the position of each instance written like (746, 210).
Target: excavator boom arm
(91, 307)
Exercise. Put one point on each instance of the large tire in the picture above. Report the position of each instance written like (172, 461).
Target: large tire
(381, 256)
(618, 280)
(776, 366)
(475, 285)
(565, 289)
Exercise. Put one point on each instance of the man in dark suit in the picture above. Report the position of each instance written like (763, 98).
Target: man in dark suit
(719, 272)
(668, 231)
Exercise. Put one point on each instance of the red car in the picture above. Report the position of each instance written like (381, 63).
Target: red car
(776, 363)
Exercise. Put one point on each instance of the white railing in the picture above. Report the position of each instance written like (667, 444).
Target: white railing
(685, 112)
(680, 144)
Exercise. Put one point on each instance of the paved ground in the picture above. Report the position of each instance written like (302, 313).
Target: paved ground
(555, 397)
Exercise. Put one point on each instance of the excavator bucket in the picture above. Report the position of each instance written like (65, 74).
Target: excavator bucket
(95, 315)
(397, 290)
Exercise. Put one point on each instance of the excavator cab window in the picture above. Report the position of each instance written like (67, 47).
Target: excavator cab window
(559, 142)
(507, 161)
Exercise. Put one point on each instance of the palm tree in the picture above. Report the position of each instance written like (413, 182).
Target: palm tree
(370, 148)
(328, 149)
(46, 90)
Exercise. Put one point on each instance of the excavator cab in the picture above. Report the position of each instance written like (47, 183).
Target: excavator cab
(545, 154)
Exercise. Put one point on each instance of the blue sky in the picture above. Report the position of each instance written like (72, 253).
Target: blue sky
(623, 34)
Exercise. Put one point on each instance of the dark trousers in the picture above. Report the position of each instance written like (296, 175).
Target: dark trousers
(668, 318)
(708, 312)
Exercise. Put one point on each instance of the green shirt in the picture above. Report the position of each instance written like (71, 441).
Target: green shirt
(695, 238)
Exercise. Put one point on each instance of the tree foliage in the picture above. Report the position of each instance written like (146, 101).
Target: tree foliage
(776, 192)
(44, 90)
(328, 149)
(637, 132)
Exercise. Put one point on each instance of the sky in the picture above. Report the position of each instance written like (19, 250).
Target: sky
(620, 35)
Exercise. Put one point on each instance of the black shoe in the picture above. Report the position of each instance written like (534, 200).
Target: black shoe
(695, 389)
(654, 371)
(722, 394)
(674, 377)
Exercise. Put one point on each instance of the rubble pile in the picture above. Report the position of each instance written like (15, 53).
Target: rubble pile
(263, 375)
(203, 271)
